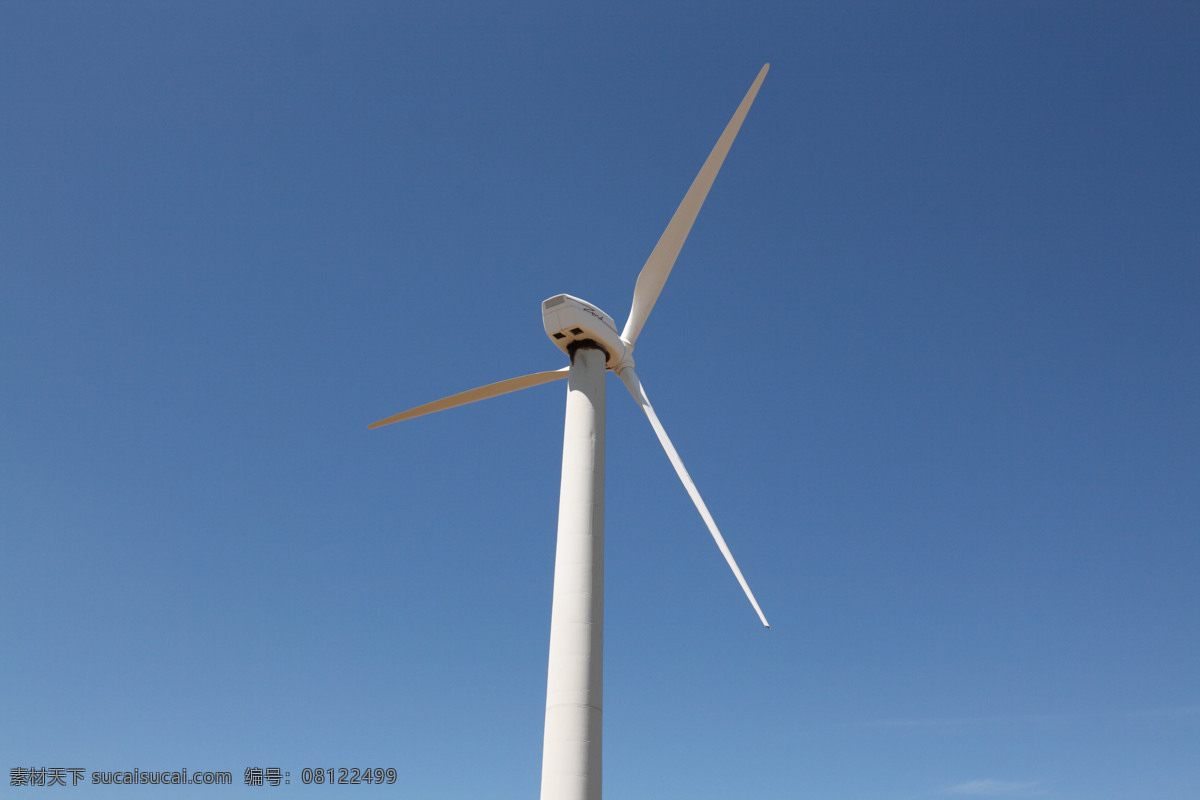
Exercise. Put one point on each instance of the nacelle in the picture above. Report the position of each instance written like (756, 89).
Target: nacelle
(568, 319)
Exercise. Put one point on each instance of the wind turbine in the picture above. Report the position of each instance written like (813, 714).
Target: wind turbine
(571, 745)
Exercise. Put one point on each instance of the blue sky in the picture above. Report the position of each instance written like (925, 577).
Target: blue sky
(930, 354)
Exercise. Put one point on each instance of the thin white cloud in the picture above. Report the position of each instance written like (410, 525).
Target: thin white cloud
(993, 788)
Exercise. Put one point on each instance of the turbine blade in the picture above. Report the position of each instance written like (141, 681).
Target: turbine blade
(658, 266)
(630, 379)
(482, 393)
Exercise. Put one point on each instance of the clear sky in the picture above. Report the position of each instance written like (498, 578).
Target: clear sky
(932, 355)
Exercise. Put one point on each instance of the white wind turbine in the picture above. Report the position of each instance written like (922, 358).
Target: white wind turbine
(571, 747)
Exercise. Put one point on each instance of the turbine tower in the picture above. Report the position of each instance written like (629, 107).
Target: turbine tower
(571, 752)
